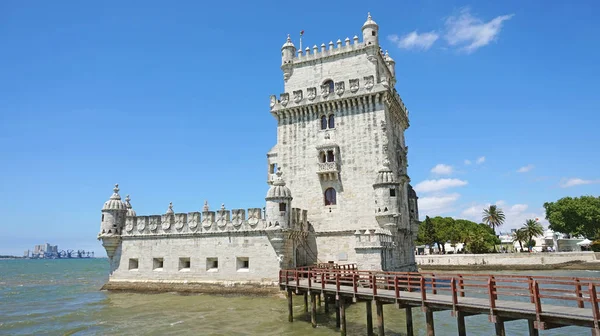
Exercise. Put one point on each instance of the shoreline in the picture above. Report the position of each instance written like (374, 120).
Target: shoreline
(193, 288)
(569, 265)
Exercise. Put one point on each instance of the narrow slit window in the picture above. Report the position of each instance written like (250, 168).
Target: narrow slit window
(323, 122)
(331, 121)
(331, 86)
(392, 192)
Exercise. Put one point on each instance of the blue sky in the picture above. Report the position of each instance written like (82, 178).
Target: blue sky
(171, 101)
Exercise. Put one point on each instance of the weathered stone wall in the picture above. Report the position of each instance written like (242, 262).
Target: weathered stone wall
(229, 250)
(504, 259)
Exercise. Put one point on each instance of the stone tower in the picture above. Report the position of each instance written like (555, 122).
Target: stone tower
(114, 213)
(340, 120)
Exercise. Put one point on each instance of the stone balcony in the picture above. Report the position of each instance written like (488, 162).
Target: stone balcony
(328, 171)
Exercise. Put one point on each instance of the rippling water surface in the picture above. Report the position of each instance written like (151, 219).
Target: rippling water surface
(62, 297)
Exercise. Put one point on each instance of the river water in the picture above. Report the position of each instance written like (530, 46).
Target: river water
(62, 297)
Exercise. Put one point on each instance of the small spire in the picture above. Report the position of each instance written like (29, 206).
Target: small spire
(289, 39)
(127, 202)
(279, 180)
(115, 195)
(222, 206)
(170, 211)
(206, 207)
(368, 15)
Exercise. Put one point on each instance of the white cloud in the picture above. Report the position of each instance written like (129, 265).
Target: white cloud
(440, 184)
(414, 40)
(467, 162)
(525, 169)
(516, 214)
(480, 160)
(572, 182)
(442, 169)
(437, 204)
(470, 33)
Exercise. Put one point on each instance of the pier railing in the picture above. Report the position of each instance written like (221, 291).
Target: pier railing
(539, 295)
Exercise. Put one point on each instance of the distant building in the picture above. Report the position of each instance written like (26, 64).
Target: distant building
(45, 249)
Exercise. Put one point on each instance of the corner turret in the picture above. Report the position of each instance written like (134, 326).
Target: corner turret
(370, 32)
(288, 50)
(279, 202)
(114, 213)
(130, 211)
(387, 191)
(390, 63)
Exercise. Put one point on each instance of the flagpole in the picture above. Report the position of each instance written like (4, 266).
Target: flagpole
(301, 33)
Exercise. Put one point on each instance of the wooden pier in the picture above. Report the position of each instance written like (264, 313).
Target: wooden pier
(545, 302)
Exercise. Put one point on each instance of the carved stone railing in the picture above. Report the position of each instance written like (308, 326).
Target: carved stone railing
(327, 167)
(373, 238)
(328, 171)
(208, 222)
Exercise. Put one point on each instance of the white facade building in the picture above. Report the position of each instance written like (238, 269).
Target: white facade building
(339, 189)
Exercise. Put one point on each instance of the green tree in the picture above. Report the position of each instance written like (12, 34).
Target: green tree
(481, 239)
(493, 217)
(576, 216)
(464, 228)
(532, 229)
(520, 236)
(426, 234)
(444, 230)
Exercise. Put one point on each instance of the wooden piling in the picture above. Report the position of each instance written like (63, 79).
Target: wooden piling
(409, 322)
(337, 313)
(290, 306)
(319, 300)
(532, 330)
(369, 318)
(499, 325)
(313, 310)
(460, 321)
(342, 317)
(380, 326)
(327, 302)
(305, 302)
(429, 322)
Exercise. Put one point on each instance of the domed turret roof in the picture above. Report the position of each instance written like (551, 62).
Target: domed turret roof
(385, 175)
(288, 43)
(130, 211)
(278, 188)
(411, 192)
(370, 22)
(114, 202)
(388, 58)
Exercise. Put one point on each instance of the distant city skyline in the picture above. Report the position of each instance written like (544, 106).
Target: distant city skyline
(172, 102)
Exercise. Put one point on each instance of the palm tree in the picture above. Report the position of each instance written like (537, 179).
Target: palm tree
(531, 229)
(520, 236)
(493, 217)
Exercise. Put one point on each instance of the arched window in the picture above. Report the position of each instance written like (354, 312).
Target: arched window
(330, 196)
(323, 122)
(331, 121)
(330, 156)
(322, 157)
(330, 84)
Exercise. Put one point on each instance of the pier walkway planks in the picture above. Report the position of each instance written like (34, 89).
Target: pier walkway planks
(545, 302)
